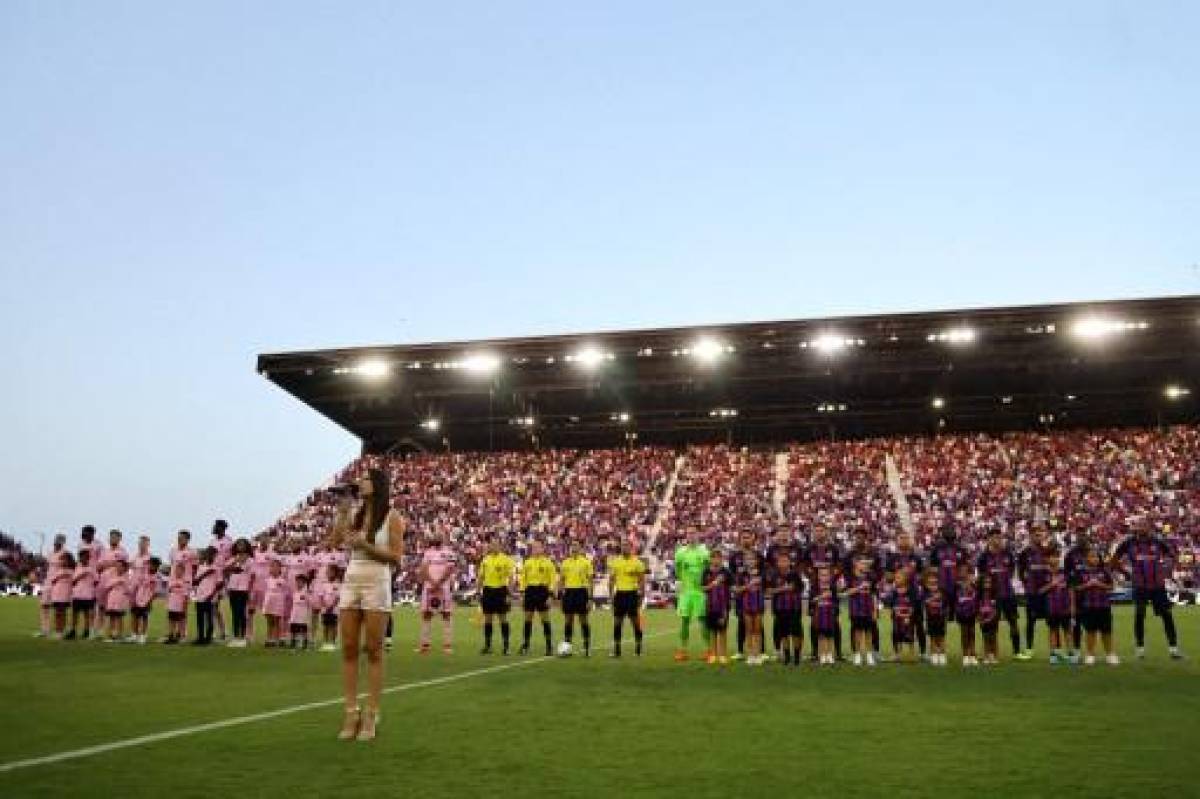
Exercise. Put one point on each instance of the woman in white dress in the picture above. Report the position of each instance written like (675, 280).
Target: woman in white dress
(374, 534)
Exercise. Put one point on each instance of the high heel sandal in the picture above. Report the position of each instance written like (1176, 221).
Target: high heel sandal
(366, 727)
(350, 725)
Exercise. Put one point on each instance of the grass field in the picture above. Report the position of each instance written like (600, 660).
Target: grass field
(593, 727)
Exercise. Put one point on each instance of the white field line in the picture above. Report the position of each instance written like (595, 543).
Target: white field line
(166, 735)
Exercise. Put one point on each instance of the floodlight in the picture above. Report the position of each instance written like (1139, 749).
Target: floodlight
(431, 425)
(938, 403)
(373, 368)
(707, 349)
(1174, 392)
(481, 363)
(590, 357)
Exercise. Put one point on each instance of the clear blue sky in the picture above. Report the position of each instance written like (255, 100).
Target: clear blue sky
(183, 186)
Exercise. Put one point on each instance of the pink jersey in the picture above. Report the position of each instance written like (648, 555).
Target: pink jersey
(224, 547)
(329, 598)
(177, 595)
(241, 574)
(296, 564)
(275, 603)
(61, 583)
(187, 557)
(139, 564)
(119, 596)
(301, 606)
(206, 581)
(107, 565)
(83, 583)
(438, 562)
(145, 588)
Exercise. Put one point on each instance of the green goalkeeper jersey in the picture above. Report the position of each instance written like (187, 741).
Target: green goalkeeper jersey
(690, 563)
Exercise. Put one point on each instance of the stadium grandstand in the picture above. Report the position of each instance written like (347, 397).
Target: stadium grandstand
(1079, 415)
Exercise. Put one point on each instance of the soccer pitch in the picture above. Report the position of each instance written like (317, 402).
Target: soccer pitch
(596, 727)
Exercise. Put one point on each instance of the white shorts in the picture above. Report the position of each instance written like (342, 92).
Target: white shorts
(366, 586)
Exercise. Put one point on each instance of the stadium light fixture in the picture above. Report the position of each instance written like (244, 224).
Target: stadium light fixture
(373, 368)
(723, 413)
(590, 357)
(432, 425)
(938, 403)
(707, 349)
(622, 417)
(482, 363)
(1174, 392)
(954, 335)
(1092, 328)
(832, 343)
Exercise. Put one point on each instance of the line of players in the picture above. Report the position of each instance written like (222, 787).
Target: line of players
(924, 593)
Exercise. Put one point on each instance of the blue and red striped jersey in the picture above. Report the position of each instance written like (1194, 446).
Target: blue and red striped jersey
(1095, 586)
(1000, 566)
(1150, 560)
(861, 596)
(1035, 568)
(790, 596)
(947, 558)
(1058, 594)
(935, 603)
(718, 584)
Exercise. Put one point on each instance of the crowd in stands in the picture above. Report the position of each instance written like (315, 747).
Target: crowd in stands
(15, 560)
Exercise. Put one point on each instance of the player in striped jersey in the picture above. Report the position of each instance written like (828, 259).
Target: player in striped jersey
(1149, 558)
(1094, 590)
(998, 563)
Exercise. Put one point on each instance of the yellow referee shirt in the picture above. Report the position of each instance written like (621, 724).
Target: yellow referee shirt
(577, 572)
(538, 570)
(627, 572)
(496, 570)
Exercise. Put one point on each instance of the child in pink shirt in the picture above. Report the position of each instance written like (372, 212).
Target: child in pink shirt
(239, 580)
(83, 594)
(177, 602)
(329, 602)
(275, 603)
(118, 601)
(206, 581)
(144, 583)
(60, 589)
(302, 608)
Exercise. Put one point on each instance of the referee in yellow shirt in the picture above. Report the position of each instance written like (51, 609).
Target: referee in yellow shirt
(576, 580)
(626, 584)
(495, 578)
(537, 578)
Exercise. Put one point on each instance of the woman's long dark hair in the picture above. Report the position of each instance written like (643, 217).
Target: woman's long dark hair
(371, 514)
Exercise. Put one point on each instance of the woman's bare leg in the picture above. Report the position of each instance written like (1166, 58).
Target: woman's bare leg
(350, 622)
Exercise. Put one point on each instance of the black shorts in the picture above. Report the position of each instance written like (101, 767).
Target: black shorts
(537, 598)
(966, 622)
(83, 604)
(115, 614)
(1035, 606)
(1097, 620)
(990, 627)
(140, 613)
(297, 629)
(1007, 608)
(1154, 597)
(862, 624)
(625, 603)
(716, 622)
(61, 605)
(936, 626)
(575, 601)
(494, 600)
(329, 619)
(176, 615)
(788, 623)
(1061, 623)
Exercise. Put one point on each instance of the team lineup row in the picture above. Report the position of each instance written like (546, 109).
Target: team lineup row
(922, 592)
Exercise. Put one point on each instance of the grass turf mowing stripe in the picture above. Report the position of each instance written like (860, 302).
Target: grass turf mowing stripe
(99, 749)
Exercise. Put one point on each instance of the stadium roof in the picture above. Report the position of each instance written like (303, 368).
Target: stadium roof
(1127, 362)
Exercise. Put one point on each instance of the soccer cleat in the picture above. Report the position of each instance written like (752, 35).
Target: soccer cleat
(737, 656)
(616, 653)
(1113, 660)
(1025, 656)
(711, 659)
(1090, 660)
(423, 649)
(1140, 652)
(1073, 659)
(872, 659)
(487, 650)
(858, 659)
(524, 650)
(1176, 654)
(724, 661)
(681, 656)
(446, 649)
(1054, 659)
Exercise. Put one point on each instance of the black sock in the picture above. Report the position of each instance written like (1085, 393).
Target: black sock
(587, 635)
(568, 629)
(505, 633)
(617, 631)
(528, 630)
(637, 634)
(1015, 637)
(487, 634)
(1076, 635)
(546, 632)
(874, 636)
(1030, 620)
(1169, 626)
(837, 641)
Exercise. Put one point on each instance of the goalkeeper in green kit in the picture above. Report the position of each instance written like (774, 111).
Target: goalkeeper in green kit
(691, 560)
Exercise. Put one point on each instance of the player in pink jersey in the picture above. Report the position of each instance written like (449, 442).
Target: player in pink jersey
(118, 602)
(140, 562)
(46, 600)
(223, 544)
(260, 571)
(177, 601)
(106, 567)
(302, 609)
(239, 579)
(436, 575)
(83, 594)
(329, 604)
(87, 540)
(275, 603)
(60, 590)
(205, 583)
(183, 554)
(145, 587)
